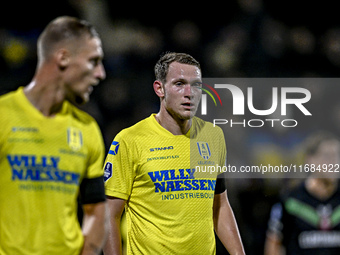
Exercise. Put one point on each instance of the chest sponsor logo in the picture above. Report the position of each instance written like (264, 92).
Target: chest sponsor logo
(74, 138)
(182, 180)
(204, 150)
(40, 169)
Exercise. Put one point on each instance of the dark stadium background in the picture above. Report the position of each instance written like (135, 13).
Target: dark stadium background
(234, 38)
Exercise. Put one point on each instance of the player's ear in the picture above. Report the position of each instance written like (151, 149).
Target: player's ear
(158, 88)
(63, 58)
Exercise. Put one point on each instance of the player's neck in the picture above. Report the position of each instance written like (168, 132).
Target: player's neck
(321, 188)
(174, 125)
(48, 99)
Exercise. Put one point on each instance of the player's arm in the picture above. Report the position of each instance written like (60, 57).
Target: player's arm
(119, 173)
(95, 218)
(224, 220)
(94, 228)
(225, 224)
(113, 245)
(273, 245)
(92, 196)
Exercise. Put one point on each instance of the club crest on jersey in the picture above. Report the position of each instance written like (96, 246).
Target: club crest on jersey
(204, 150)
(74, 138)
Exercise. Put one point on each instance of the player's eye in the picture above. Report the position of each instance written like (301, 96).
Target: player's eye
(94, 61)
(197, 84)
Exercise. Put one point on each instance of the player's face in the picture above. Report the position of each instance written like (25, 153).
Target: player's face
(181, 90)
(327, 158)
(85, 70)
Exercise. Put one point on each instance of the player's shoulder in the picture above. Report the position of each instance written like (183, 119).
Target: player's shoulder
(205, 126)
(141, 128)
(296, 191)
(78, 114)
(9, 110)
(7, 98)
(10, 106)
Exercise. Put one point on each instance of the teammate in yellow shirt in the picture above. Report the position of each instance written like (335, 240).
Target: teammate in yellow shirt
(50, 151)
(151, 170)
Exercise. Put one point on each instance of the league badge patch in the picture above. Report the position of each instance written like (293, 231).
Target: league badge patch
(107, 171)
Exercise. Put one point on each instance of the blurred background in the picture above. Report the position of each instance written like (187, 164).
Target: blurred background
(235, 38)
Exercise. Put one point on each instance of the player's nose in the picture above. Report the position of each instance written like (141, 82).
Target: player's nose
(191, 91)
(187, 90)
(100, 73)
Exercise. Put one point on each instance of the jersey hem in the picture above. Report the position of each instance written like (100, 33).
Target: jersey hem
(111, 193)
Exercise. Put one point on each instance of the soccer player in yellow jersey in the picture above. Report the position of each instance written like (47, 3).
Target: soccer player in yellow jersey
(171, 207)
(51, 152)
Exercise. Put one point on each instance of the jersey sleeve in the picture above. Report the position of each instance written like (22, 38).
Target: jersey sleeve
(221, 177)
(96, 152)
(119, 170)
(223, 149)
(92, 186)
(220, 184)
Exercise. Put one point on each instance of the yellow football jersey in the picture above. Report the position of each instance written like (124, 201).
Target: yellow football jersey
(42, 163)
(169, 196)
